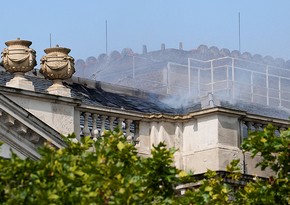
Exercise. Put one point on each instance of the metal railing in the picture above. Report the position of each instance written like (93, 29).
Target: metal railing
(227, 77)
(231, 78)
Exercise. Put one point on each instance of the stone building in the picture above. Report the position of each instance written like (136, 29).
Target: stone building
(38, 106)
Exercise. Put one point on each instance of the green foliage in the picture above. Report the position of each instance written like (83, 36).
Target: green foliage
(213, 189)
(275, 153)
(107, 171)
(273, 149)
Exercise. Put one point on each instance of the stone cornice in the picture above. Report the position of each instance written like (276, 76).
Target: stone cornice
(185, 117)
(18, 142)
(19, 117)
(39, 96)
(113, 111)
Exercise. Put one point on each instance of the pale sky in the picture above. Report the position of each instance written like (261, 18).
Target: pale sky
(80, 25)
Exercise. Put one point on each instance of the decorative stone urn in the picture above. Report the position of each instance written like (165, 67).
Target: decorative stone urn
(57, 66)
(18, 58)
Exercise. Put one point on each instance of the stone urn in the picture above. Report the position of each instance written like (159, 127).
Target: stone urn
(18, 59)
(57, 66)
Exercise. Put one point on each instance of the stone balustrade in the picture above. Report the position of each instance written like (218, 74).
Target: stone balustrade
(248, 125)
(93, 124)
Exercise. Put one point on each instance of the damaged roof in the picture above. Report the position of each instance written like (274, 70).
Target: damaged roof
(141, 101)
(97, 96)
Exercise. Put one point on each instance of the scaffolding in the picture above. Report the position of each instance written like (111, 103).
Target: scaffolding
(228, 78)
(232, 78)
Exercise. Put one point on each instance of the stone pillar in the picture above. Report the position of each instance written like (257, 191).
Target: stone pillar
(95, 131)
(57, 66)
(128, 133)
(18, 59)
(112, 119)
(178, 144)
(250, 126)
(154, 132)
(86, 130)
(103, 121)
(120, 123)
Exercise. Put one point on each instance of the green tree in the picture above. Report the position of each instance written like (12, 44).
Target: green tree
(275, 153)
(106, 171)
(109, 171)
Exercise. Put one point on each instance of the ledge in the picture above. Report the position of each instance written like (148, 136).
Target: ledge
(39, 96)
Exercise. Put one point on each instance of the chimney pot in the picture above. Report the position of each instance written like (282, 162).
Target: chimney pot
(144, 49)
(180, 46)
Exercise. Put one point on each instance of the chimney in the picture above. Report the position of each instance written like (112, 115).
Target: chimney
(180, 46)
(163, 46)
(144, 49)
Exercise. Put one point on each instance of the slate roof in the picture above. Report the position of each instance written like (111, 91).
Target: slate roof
(99, 97)
(96, 96)
(251, 108)
(258, 109)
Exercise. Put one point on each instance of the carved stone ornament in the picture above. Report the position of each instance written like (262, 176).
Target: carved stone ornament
(57, 66)
(18, 58)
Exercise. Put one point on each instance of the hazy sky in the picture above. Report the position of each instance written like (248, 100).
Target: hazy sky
(80, 25)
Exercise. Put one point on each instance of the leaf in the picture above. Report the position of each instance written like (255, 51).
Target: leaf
(120, 146)
(263, 140)
(79, 172)
(122, 190)
(119, 176)
(53, 196)
(224, 190)
(182, 174)
(208, 188)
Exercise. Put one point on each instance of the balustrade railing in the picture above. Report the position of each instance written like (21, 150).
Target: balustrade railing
(247, 126)
(93, 123)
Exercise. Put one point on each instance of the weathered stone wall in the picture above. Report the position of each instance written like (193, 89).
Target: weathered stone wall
(57, 115)
(209, 141)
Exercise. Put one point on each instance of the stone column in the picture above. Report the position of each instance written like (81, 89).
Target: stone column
(154, 132)
(103, 121)
(112, 119)
(178, 144)
(86, 130)
(18, 59)
(128, 133)
(120, 123)
(95, 131)
(57, 66)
